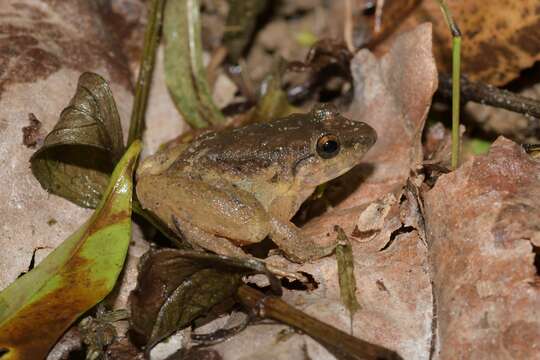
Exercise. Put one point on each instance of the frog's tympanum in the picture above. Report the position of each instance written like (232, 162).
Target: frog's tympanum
(235, 187)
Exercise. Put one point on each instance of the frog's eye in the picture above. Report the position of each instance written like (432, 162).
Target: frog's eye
(328, 146)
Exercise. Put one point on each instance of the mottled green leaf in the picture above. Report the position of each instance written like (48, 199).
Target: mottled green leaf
(38, 307)
(185, 73)
(176, 286)
(78, 155)
(241, 22)
(347, 281)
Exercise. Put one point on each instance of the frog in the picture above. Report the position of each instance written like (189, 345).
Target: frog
(235, 187)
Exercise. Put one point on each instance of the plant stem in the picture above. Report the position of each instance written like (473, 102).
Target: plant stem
(151, 41)
(456, 70)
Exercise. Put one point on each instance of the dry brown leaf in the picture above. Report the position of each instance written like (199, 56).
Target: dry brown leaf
(482, 222)
(500, 37)
(393, 95)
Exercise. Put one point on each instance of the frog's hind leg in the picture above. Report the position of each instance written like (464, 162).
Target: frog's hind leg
(197, 237)
(223, 246)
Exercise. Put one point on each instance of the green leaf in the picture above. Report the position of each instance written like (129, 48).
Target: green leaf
(347, 281)
(176, 286)
(79, 154)
(38, 307)
(185, 73)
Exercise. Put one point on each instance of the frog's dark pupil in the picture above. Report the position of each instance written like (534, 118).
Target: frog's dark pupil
(330, 146)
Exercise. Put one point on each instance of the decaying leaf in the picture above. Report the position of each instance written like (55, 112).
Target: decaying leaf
(184, 69)
(38, 307)
(393, 95)
(176, 286)
(482, 227)
(500, 37)
(347, 281)
(79, 154)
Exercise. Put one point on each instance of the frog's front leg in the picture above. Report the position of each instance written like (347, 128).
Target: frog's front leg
(297, 247)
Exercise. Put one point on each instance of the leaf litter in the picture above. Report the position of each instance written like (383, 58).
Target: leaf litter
(382, 207)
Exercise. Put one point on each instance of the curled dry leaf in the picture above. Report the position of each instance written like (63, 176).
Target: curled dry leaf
(176, 286)
(482, 227)
(78, 155)
(38, 307)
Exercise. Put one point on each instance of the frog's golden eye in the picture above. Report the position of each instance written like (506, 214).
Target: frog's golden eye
(328, 146)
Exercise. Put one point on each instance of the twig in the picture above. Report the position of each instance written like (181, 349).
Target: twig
(341, 344)
(490, 95)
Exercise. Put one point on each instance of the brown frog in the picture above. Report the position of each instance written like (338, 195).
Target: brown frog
(235, 187)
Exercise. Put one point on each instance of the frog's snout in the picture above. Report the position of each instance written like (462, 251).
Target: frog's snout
(366, 136)
(371, 136)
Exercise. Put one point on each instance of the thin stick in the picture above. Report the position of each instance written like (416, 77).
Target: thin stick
(456, 70)
(490, 95)
(151, 41)
(343, 345)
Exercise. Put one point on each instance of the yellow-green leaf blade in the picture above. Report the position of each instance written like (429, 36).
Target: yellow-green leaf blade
(38, 307)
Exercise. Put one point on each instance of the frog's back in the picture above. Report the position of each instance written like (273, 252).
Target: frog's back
(252, 150)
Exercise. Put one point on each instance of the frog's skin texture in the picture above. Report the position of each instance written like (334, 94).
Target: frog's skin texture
(235, 187)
